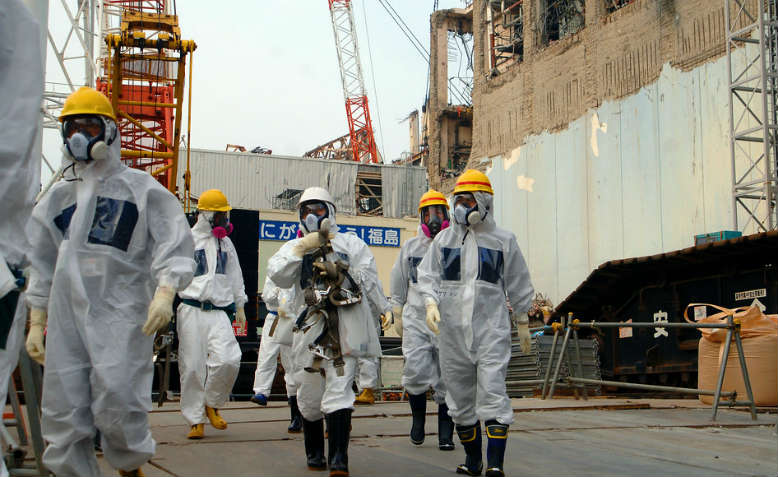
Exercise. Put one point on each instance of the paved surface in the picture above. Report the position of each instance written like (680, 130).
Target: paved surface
(599, 437)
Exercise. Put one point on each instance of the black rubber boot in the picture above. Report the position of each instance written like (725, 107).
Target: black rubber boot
(445, 429)
(419, 412)
(296, 425)
(497, 435)
(470, 437)
(339, 425)
(313, 433)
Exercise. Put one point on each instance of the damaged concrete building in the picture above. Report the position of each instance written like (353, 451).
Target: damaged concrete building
(603, 125)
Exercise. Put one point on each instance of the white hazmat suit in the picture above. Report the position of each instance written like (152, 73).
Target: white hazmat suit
(21, 93)
(102, 240)
(319, 395)
(468, 271)
(420, 346)
(283, 309)
(367, 378)
(208, 352)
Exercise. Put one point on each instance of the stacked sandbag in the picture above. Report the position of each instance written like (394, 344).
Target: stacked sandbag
(759, 336)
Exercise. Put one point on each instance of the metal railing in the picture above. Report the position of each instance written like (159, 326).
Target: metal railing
(32, 385)
(576, 381)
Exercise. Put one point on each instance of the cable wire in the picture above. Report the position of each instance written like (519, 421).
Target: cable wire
(455, 93)
(406, 30)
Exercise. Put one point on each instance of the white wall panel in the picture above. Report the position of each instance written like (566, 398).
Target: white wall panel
(640, 174)
(680, 161)
(603, 158)
(714, 120)
(571, 206)
(542, 212)
(637, 176)
(254, 181)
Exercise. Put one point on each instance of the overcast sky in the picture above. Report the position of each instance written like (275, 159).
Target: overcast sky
(266, 72)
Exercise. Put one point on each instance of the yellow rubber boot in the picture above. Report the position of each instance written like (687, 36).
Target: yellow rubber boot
(132, 473)
(366, 397)
(196, 432)
(216, 420)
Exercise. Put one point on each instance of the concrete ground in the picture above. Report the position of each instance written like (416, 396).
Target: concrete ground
(599, 437)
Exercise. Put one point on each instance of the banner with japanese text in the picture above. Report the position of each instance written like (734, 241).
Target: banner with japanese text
(373, 236)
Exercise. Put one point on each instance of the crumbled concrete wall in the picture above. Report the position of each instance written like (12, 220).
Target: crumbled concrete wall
(615, 55)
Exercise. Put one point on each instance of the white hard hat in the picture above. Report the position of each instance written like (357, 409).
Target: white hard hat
(316, 193)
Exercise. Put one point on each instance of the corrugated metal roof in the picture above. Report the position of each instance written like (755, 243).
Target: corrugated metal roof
(403, 186)
(258, 181)
(614, 277)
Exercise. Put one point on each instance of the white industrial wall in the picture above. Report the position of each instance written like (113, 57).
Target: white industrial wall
(636, 176)
(253, 181)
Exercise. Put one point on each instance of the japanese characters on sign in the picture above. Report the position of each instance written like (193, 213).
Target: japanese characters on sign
(373, 236)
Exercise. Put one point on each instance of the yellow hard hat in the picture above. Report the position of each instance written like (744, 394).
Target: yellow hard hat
(473, 181)
(432, 197)
(87, 101)
(213, 200)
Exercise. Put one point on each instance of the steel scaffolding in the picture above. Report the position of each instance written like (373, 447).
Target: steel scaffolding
(751, 29)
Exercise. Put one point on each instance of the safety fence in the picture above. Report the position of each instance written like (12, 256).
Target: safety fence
(569, 327)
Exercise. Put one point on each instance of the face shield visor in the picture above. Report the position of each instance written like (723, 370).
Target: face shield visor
(434, 218)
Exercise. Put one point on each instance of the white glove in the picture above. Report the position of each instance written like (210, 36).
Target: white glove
(525, 341)
(160, 310)
(397, 311)
(34, 344)
(308, 242)
(240, 317)
(387, 320)
(433, 316)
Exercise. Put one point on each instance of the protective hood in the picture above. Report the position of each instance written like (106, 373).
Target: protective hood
(202, 228)
(484, 200)
(422, 235)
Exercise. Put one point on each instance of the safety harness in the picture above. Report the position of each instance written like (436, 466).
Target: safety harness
(330, 288)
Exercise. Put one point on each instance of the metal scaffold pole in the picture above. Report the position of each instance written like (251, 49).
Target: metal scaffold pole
(752, 49)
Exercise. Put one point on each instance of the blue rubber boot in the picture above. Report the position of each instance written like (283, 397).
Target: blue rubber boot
(260, 399)
(418, 404)
(296, 423)
(313, 437)
(497, 435)
(445, 429)
(339, 425)
(470, 437)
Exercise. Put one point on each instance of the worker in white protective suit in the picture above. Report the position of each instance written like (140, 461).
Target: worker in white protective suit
(465, 277)
(327, 392)
(420, 346)
(208, 353)
(102, 239)
(283, 309)
(21, 93)
(366, 380)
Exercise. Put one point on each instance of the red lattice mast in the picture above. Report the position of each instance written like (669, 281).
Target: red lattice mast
(360, 127)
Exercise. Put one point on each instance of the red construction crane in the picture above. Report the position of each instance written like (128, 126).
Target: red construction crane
(360, 127)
